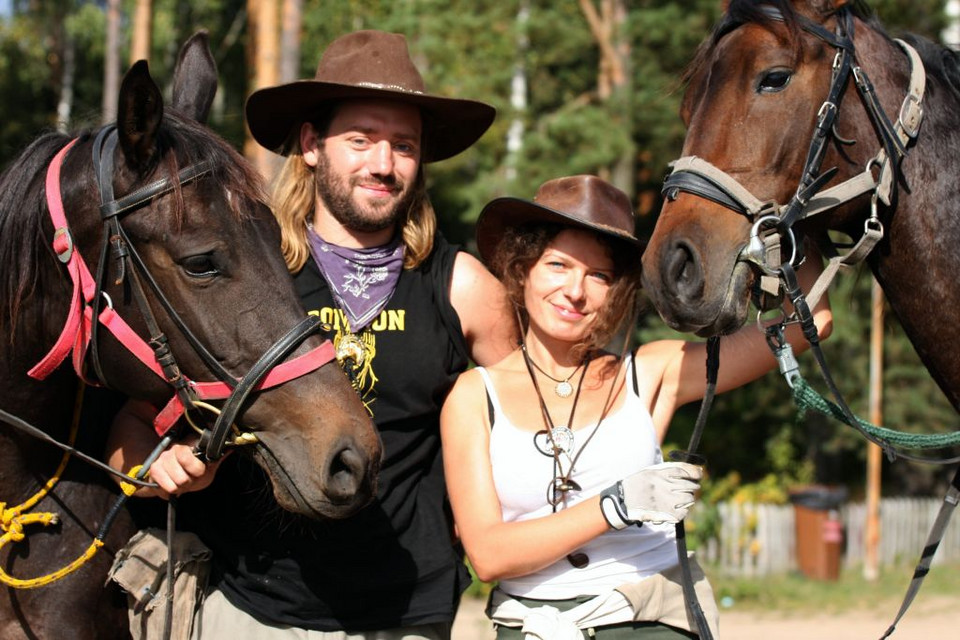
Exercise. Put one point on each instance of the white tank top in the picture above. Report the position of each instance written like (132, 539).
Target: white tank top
(625, 443)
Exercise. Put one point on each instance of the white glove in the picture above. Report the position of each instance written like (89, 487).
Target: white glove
(661, 493)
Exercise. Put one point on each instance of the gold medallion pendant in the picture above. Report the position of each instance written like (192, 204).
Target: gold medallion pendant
(351, 353)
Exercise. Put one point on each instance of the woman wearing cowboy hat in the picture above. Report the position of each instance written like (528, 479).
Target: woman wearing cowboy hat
(553, 459)
(408, 312)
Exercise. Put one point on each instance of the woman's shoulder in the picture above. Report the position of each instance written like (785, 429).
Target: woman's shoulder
(470, 379)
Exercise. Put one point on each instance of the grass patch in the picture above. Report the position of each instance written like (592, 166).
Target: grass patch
(797, 593)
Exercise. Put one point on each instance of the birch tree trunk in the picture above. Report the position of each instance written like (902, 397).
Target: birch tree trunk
(518, 94)
(68, 71)
(290, 31)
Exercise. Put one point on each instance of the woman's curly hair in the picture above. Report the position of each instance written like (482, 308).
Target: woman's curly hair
(520, 248)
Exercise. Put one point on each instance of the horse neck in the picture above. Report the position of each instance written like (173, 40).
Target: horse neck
(917, 262)
(25, 460)
(46, 404)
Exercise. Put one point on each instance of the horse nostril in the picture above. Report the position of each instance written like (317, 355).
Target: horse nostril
(683, 272)
(346, 475)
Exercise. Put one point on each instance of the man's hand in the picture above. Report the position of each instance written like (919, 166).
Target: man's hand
(178, 470)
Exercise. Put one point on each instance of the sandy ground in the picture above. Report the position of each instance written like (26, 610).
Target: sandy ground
(932, 618)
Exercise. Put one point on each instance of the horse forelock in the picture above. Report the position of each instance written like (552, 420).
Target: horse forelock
(194, 143)
(740, 12)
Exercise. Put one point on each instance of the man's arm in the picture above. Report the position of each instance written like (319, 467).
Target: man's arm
(486, 315)
(132, 439)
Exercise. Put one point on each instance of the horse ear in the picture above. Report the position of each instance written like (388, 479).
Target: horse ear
(195, 78)
(139, 113)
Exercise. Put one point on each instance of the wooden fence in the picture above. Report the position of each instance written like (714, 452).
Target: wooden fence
(760, 539)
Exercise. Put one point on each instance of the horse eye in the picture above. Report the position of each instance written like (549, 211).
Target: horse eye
(200, 266)
(774, 81)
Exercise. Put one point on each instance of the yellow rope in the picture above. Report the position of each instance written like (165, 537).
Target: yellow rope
(8, 516)
(129, 488)
(42, 581)
(13, 519)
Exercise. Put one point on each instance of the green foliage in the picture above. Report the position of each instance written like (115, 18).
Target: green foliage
(24, 73)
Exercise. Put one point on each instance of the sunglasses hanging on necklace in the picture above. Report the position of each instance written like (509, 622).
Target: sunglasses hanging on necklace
(555, 441)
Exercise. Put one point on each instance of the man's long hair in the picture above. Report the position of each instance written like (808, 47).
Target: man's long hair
(294, 205)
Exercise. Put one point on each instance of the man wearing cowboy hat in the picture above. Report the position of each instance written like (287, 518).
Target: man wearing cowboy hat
(408, 312)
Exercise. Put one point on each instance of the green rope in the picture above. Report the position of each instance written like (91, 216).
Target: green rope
(806, 397)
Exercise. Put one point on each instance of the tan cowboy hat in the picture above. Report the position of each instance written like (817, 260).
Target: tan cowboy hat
(583, 201)
(368, 64)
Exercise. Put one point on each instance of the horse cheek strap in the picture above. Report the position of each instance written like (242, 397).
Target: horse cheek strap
(213, 442)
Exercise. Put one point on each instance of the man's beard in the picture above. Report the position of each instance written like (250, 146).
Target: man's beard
(339, 201)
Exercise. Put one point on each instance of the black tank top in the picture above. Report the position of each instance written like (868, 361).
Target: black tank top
(393, 564)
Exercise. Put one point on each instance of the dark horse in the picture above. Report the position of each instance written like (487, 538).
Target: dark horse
(781, 89)
(198, 227)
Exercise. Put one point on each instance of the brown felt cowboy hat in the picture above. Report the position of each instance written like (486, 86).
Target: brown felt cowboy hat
(367, 64)
(583, 201)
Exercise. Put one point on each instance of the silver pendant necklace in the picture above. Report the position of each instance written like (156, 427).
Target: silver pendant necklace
(563, 388)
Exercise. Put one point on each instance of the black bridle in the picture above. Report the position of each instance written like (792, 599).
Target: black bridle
(129, 262)
(87, 303)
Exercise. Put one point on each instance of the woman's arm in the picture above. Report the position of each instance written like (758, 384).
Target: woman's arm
(499, 549)
(744, 356)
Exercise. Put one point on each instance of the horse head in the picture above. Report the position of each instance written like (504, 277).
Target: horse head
(188, 254)
(767, 130)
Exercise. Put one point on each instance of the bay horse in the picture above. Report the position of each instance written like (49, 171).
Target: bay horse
(213, 321)
(806, 111)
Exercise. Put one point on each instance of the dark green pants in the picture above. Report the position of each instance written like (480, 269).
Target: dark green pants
(626, 630)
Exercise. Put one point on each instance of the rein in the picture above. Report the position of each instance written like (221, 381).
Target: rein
(690, 455)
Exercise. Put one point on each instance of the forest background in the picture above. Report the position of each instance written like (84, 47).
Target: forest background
(581, 86)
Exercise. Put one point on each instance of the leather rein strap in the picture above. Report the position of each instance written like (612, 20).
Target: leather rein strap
(694, 608)
(87, 312)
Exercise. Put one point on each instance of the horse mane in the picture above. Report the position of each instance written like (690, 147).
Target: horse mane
(23, 243)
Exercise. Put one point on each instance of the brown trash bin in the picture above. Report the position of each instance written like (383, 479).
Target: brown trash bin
(819, 531)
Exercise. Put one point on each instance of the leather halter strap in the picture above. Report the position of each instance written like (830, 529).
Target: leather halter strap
(81, 321)
(699, 177)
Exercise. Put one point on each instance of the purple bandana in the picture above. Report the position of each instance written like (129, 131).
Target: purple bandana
(362, 280)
